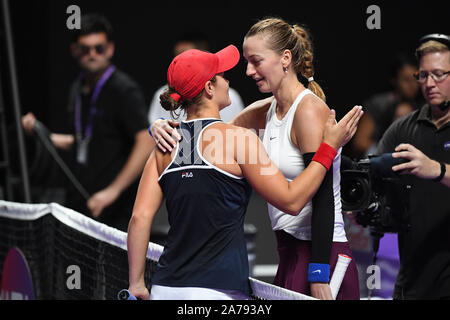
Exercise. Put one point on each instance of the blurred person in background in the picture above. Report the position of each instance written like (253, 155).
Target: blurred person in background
(107, 128)
(384, 108)
(423, 138)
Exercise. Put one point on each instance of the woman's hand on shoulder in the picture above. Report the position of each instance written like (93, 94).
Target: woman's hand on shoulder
(164, 133)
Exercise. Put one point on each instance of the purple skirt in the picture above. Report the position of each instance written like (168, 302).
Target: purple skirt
(295, 256)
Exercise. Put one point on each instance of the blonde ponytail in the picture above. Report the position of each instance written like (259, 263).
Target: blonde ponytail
(304, 62)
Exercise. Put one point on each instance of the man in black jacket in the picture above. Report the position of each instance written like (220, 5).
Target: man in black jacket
(108, 128)
(423, 138)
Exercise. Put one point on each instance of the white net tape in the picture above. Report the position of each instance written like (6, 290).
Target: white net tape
(102, 232)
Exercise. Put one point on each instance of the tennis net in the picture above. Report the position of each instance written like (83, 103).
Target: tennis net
(53, 239)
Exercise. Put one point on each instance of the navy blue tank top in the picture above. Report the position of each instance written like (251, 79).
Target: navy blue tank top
(206, 206)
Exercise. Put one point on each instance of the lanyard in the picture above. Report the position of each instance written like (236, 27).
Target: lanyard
(83, 142)
(93, 108)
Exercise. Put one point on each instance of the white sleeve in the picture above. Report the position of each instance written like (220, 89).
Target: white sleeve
(156, 111)
(236, 106)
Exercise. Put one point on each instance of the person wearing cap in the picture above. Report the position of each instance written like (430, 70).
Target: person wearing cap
(293, 121)
(207, 181)
(192, 40)
(423, 138)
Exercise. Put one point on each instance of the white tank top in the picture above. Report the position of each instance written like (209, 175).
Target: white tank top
(279, 146)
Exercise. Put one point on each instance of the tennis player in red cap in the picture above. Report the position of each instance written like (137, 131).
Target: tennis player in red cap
(292, 121)
(207, 181)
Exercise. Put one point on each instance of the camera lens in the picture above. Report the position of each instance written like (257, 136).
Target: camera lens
(352, 192)
(355, 193)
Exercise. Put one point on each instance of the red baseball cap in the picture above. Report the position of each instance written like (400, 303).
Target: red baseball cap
(190, 70)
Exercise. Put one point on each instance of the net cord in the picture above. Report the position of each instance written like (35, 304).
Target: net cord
(102, 232)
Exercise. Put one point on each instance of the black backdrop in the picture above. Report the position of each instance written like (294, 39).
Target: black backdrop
(351, 61)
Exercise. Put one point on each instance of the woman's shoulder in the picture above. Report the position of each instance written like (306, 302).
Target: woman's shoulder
(262, 103)
(230, 128)
(312, 106)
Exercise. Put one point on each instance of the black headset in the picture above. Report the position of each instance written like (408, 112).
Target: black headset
(444, 39)
(439, 37)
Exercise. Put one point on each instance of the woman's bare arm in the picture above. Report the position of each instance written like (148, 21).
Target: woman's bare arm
(148, 200)
(254, 115)
(268, 180)
(251, 117)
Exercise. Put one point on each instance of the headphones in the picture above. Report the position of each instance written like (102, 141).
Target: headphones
(439, 37)
(444, 39)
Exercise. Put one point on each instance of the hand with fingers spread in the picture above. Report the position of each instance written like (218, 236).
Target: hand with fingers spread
(419, 164)
(164, 134)
(338, 134)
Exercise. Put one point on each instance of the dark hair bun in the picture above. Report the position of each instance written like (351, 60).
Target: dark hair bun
(167, 102)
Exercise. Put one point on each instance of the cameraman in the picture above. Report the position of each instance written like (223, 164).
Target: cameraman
(423, 138)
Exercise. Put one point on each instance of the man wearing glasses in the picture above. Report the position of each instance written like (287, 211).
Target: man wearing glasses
(423, 138)
(108, 128)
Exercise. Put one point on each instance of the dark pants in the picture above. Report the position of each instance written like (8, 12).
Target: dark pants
(295, 256)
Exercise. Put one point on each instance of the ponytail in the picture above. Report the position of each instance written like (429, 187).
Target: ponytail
(303, 63)
(170, 104)
(316, 89)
